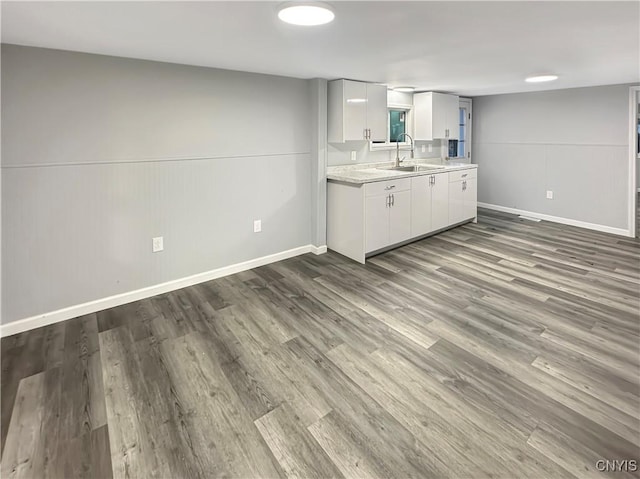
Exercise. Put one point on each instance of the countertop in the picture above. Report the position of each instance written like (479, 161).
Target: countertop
(371, 172)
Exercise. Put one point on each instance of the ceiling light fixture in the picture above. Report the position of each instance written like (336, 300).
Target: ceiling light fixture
(404, 89)
(541, 78)
(306, 14)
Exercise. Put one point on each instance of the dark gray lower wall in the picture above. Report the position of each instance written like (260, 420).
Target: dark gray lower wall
(100, 154)
(573, 142)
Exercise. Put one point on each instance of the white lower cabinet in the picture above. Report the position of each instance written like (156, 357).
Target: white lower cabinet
(365, 218)
(387, 213)
(463, 196)
(429, 203)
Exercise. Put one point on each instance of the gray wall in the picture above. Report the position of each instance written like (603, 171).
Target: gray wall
(100, 154)
(573, 142)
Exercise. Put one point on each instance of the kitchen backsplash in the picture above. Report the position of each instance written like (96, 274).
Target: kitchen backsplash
(340, 154)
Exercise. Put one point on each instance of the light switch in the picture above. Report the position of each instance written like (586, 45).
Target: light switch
(549, 194)
(353, 155)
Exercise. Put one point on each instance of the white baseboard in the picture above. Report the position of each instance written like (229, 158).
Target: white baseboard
(558, 219)
(45, 319)
(319, 249)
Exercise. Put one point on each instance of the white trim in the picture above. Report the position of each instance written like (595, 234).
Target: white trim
(318, 249)
(468, 102)
(557, 219)
(634, 91)
(44, 319)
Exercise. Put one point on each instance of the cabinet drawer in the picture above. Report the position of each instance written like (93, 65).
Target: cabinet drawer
(462, 174)
(389, 186)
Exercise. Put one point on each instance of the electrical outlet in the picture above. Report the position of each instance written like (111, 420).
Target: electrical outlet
(423, 148)
(157, 244)
(549, 194)
(353, 155)
(257, 226)
(430, 148)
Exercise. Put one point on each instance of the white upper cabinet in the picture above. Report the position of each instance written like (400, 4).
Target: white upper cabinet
(356, 111)
(436, 116)
(377, 112)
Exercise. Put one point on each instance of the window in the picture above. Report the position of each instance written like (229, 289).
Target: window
(464, 125)
(397, 125)
(398, 122)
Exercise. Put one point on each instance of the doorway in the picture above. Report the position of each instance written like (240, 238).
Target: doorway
(634, 160)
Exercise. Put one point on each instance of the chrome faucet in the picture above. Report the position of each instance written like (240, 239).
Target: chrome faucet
(398, 160)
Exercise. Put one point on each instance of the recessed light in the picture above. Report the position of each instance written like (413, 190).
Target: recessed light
(306, 14)
(541, 78)
(404, 89)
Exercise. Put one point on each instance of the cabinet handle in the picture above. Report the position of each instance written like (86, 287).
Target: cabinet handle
(393, 199)
(387, 201)
(464, 176)
(389, 187)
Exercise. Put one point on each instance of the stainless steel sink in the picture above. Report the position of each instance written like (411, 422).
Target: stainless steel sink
(429, 167)
(400, 168)
(413, 168)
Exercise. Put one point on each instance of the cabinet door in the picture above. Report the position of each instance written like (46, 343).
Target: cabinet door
(376, 222)
(420, 205)
(453, 117)
(471, 199)
(377, 112)
(422, 107)
(355, 110)
(400, 217)
(440, 202)
(456, 202)
(440, 115)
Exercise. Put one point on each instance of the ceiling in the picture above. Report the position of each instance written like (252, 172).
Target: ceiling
(469, 48)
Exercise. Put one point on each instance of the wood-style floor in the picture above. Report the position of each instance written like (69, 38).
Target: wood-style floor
(506, 348)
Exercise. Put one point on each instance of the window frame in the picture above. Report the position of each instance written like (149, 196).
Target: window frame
(388, 145)
(466, 103)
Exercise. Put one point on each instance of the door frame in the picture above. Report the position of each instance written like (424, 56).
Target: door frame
(634, 99)
(468, 102)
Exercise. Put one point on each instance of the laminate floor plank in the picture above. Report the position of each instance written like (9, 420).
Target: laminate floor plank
(295, 449)
(618, 392)
(569, 453)
(505, 349)
(221, 437)
(602, 413)
(29, 354)
(461, 370)
(22, 456)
